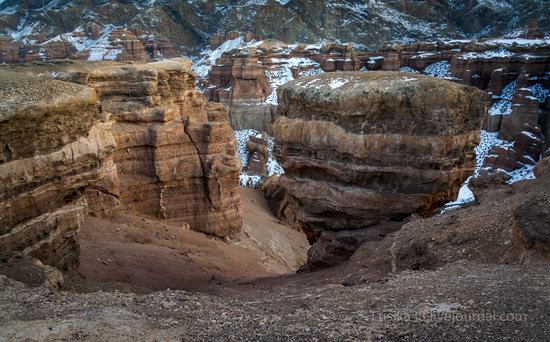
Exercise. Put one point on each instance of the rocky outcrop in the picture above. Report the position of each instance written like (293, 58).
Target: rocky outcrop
(175, 153)
(258, 151)
(138, 137)
(92, 42)
(56, 145)
(245, 80)
(364, 149)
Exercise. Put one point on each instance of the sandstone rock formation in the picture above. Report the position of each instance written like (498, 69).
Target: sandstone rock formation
(176, 153)
(133, 136)
(54, 148)
(364, 149)
(92, 42)
(258, 151)
(245, 80)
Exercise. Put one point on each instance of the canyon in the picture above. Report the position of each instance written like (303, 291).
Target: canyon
(396, 185)
(245, 79)
(246, 75)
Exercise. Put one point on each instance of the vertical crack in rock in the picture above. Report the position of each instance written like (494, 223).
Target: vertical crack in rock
(107, 136)
(205, 174)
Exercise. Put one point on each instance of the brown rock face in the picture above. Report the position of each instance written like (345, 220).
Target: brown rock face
(175, 153)
(136, 136)
(363, 149)
(257, 149)
(54, 147)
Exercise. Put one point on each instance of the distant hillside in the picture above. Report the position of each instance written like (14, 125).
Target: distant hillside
(191, 24)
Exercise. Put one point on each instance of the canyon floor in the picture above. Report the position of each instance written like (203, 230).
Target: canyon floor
(159, 282)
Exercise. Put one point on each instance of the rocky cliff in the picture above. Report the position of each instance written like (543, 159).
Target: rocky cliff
(56, 145)
(108, 136)
(245, 79)
(514, 71)
(91, 42)
(366, 149)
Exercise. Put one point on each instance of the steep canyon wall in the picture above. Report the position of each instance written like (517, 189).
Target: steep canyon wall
(107, 136)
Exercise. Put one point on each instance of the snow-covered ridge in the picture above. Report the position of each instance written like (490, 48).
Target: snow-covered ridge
(101, 48)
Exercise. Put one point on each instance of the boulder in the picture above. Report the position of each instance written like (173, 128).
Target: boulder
(532, 228)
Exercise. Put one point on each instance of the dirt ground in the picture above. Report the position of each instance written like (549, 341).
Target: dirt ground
(468, 290)
(130, 252)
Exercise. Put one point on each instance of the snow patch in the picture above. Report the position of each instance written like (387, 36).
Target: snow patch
(440, 69)
(539, 92)
(498, 53)
(504, 104)
(408, 69)
(99, 49)
(337, 83)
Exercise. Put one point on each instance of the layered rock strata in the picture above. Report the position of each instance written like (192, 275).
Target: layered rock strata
(245, 80)
(56, 145)
(92, 42)
(176, 153)
(133, 136)
(365, 149)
